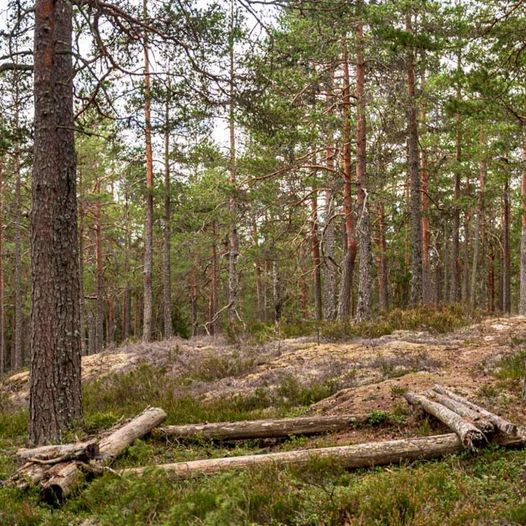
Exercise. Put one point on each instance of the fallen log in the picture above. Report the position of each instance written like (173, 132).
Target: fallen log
(271, 428)
(469, 435)
(350, 457)
(485, 425)
(80, 450)
(63, 478)
(500, 423)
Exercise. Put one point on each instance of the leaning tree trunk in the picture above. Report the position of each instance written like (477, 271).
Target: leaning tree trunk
(363, 305)
(522, 301)
(414, 176)
(148, 227)
(345, 296)
(55, 314)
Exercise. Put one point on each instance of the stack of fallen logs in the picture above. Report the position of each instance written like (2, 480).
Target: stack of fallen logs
(59, 469)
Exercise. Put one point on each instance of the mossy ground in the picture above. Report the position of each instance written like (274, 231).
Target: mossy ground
(483, 488)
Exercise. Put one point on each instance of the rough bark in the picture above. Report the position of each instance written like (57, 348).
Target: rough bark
(167, 260)
(271, 428)
(55, 397)
(522, 299)
(345, 295)
(469, 435)
(502, 424)
(364, 303)
(351, 457)
(148, 226)
(415, 205)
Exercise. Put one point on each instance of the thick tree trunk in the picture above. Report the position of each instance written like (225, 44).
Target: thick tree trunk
(522, 300)
(364, 303)
(316, 258)
(271, 428)
(55, 315)
(148, 227)
(469, 435)
(413, 164)
(167, 260)
(345, 296)
(350, 457)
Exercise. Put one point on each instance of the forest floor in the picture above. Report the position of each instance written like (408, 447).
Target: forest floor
(211, 380)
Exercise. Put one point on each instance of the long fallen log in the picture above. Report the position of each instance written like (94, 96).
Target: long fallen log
(500, 423)
(63, 478)
(270, 428)
(80, 450)
(485, 425)
(350, 457)
(469, 435)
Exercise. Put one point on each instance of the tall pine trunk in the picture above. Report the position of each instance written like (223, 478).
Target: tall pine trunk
(99, 262)
(363, 305)
(345, 296)
(316, 259)
(55, 314)
(415, 207)
(148, 227)
(167, 262)
(522, 299)
(3, 353)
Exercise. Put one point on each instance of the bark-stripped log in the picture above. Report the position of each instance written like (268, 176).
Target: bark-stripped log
(350, 457)
(502, 424)
(78, 450)
(63, 478)
(469, 435)
(485, 425)
(271, 428)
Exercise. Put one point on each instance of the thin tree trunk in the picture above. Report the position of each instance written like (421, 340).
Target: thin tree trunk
(276, 290)
(99, 318)
(506, 285)
(83, 340)
(414, 175)
(55, 315)
(18, 248)
(148, 228)
(345, 296)
(257, 271)
(212, 302)
(233, 278)
(479, 221)
(363, 305)
(3, 353)
(522, 299)
(383, 283)
(167, 263)
(427, 293)
(316, 259)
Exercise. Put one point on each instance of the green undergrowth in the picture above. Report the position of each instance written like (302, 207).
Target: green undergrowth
(438, 320)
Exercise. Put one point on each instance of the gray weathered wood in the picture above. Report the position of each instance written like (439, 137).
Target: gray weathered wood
(469, 435)
(85, 450)
(502, 424)
(270, 428)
